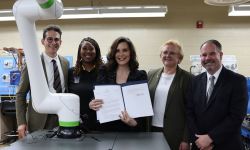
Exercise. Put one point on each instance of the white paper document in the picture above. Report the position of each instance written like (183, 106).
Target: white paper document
(132, 97)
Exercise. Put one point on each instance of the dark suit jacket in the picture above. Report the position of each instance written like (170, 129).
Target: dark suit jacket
(27, 115)
(175, 129)
(222, 116)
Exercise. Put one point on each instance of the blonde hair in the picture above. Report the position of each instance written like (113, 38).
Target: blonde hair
(177, 45)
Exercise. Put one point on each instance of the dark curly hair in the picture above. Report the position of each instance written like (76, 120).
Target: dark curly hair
(97, 61)
(112, 64)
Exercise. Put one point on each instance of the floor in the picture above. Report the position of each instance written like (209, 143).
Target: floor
(2, 146)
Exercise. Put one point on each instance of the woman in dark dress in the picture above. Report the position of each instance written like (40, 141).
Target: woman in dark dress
(82, 78)
(122, 67)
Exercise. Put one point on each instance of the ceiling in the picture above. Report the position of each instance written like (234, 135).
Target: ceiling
(173, 5)
(181, 10)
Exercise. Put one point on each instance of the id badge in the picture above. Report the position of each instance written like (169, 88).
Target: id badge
(76, 79)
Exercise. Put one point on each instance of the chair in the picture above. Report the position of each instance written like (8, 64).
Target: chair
(8, 111)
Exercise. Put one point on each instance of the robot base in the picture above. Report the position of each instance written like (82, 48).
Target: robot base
(69, 132)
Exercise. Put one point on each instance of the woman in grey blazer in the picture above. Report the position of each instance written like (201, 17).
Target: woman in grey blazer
(167, 86)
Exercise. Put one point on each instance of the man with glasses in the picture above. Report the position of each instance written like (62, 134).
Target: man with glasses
(56, 73)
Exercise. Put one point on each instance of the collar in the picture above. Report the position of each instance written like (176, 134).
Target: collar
(48, 59)
(216, 74)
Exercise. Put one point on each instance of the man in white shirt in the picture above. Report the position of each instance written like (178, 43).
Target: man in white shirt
(216, 107)
(28, 120)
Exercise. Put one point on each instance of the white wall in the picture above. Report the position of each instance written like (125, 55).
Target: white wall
(150, 33)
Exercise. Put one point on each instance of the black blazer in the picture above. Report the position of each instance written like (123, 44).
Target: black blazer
(109, 77)
(222, 117)
(106, 76)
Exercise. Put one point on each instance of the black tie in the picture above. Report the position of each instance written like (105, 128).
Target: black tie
(57, 81)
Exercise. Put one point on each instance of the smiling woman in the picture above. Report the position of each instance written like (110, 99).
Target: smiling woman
(82, 78)
(167, 87)
(122, 67)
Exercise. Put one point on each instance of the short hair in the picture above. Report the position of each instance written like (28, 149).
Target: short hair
(177, 45)
(52, 27)
(112, 64)
(215, 42)
(97, 60)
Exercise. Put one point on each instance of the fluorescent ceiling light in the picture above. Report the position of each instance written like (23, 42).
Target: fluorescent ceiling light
(11, 18)
(239, 10)
(115, 12)
(6, 15)
(102, 12)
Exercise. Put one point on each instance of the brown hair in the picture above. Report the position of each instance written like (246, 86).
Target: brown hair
(112, 64)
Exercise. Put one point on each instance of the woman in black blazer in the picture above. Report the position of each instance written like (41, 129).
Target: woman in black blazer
(122, 67)
(82, 77)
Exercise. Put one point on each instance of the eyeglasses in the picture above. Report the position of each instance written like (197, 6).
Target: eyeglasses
(169, 53)
(51, 39)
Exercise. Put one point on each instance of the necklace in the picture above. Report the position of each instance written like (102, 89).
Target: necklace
(88, 68)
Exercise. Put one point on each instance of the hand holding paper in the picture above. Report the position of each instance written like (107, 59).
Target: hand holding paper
(118, 98)
(95, 104)
(127, 119)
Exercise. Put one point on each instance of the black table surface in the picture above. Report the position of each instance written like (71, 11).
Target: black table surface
(97, 141)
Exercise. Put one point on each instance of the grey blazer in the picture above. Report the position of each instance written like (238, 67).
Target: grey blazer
(26, 114)
(174, 128)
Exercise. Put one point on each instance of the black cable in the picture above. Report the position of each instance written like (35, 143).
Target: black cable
(51, 135)
(113, 143)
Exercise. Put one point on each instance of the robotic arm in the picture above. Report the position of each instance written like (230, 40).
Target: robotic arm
(66, 106)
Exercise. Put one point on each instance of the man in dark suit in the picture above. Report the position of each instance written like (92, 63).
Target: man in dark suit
(51, 41)
(168, 86)
(216, 107)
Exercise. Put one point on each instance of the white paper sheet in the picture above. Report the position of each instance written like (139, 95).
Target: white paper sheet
(135, 96)
(137, 100)
(112, 102)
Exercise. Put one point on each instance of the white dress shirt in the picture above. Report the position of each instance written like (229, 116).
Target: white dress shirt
(50, 72)
(216, 75)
